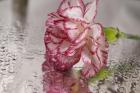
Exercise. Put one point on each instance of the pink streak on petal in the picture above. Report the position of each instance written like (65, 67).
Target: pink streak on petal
(91, 10)
(74, 12)
(96, 53)
(70, 3)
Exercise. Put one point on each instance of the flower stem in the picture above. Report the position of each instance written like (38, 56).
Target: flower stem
(130, 36)
(127, 35)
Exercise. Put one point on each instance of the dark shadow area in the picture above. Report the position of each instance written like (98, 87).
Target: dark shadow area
(19, 8)
(1, 0)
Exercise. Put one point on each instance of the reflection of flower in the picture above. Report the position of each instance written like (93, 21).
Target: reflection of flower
(72, 35)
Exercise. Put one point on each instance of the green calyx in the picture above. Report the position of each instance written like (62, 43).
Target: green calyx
(113, 34)
(101, 75)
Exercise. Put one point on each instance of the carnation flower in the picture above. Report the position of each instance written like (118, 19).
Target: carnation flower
(72, 36)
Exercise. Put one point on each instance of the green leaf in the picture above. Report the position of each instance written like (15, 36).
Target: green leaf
(101, 75)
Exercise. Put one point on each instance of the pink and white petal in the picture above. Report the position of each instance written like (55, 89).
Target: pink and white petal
(82, 36)
(52, 46)
(59, 24)
(98, 37)
(101, 53)
(99, 60)
(96, 31)
(79, 3)
(73, 34)
(64, 4)
(52, 39)
(55, 27)
(74, 12)
(70, 25)
(56, 31)
(95, 57)
(65, 62)
(89, 69)
(73, 47)
(70, 3)
(91, 10)
(86, 56)
(64, 46)
(54, 15)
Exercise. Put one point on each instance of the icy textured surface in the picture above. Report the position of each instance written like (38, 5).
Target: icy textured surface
(22, 46)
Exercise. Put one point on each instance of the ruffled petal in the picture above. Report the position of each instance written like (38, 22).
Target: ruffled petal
(82, 36)
(65, 62)
(99, 37)
(55, 27)
(64, 4)
(89, 69)
(73, 48)
(79, 3)
(70, 25)
(70, 3)
(73, 34)
(72, 30)
(90, 11)
(76, 31)
(74, 12)
(96, 53)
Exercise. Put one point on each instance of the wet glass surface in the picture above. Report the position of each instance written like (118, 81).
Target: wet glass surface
(22, 28)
